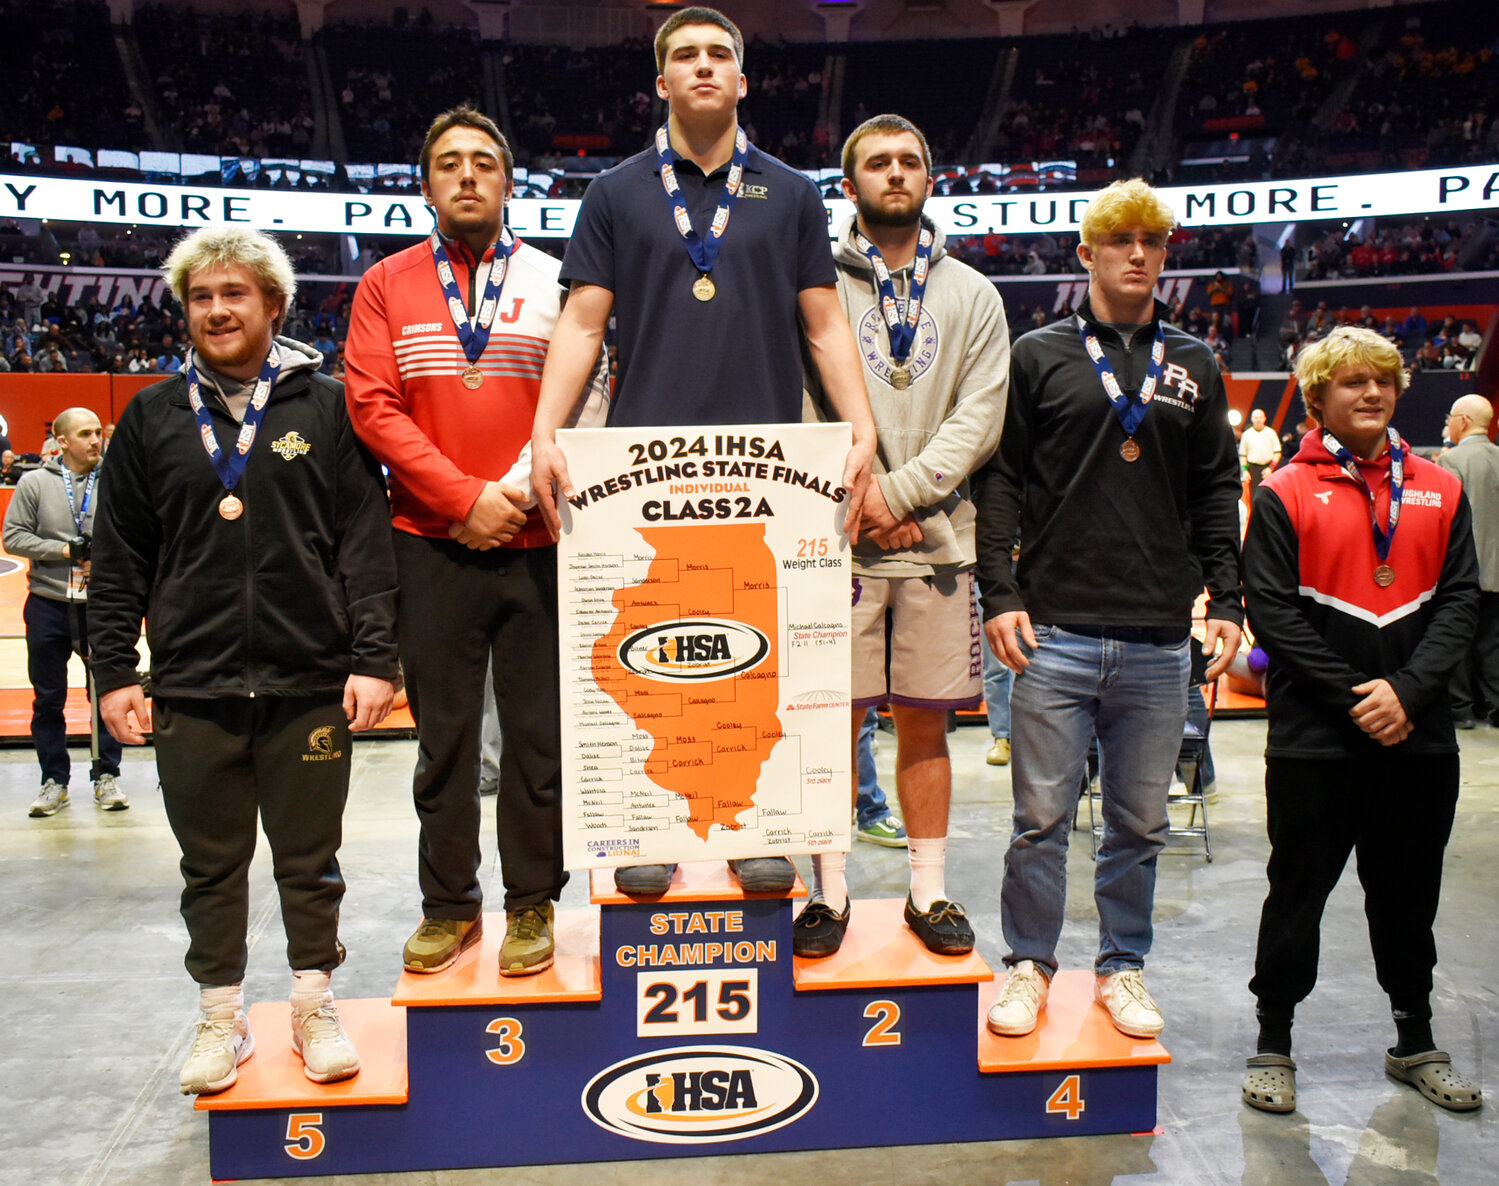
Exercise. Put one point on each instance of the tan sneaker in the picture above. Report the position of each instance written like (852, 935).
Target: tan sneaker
(1131, 1008)
(1020, 1002)
(440, 941)
(318, 1036)
(529, 945)
(219, 1046)
(999, 752)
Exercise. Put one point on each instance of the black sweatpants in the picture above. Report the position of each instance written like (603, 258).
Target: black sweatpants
(223, 761)
(1474, 689)
(456, 608)
(1395, 810)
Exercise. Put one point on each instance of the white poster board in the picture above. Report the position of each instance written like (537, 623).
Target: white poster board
(703, 596)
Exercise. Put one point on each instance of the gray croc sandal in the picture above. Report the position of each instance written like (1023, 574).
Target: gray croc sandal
(1270, 1083)
(1432, 1075)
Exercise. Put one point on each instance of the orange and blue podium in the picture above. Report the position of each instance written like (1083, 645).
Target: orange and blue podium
(682, 1026)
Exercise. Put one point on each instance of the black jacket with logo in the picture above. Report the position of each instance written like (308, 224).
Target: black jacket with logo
(1105, 541)
(290, 598)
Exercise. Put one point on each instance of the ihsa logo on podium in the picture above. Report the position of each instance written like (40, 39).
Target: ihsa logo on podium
(699, 1095)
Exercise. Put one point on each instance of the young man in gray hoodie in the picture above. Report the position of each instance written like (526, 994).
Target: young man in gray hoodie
(936, 350)
(50, 522)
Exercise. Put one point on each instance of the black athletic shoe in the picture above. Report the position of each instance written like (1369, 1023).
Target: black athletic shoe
(818, 930)
(944, 928)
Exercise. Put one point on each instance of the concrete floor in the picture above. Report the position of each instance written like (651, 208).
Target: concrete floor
(98, 1011)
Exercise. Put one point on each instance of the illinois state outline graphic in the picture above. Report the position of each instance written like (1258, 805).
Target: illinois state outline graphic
(693, 659)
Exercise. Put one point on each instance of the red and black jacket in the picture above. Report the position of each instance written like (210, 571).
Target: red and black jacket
(1325, 622)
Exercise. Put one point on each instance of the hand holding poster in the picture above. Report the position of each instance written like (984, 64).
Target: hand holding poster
(704, 605)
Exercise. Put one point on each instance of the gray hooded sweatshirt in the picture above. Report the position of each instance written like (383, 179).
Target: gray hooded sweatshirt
(941, 428)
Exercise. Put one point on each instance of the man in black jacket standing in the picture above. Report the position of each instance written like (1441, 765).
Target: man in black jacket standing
(1118, 470)
(249, 527)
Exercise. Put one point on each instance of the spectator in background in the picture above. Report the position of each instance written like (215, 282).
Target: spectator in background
(1414, 326)
(1475, 460)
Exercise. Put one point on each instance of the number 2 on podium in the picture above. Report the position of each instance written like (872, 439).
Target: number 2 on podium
(1067, 1099)
(886, 1016)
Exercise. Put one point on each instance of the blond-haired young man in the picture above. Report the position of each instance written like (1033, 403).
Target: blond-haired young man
(1118, 470)
(241, 509)
(1362, 584)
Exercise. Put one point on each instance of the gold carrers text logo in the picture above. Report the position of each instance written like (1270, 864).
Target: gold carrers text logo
(291, 445)
(320, 746)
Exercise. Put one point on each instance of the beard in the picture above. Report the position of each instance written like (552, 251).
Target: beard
(874, 215)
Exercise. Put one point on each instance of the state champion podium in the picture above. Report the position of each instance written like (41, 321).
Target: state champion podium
(682, 1026)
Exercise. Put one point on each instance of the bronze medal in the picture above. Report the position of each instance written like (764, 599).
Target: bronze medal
(703, 288)
(1130, 451)
(1384, 576)
(231, 508)
(473, 378)
(900, 378)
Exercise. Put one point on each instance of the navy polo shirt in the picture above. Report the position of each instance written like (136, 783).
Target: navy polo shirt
(737, 358)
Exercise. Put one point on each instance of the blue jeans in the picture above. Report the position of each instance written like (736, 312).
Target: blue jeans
(871, 805)
(1133, 696)
(997, 694)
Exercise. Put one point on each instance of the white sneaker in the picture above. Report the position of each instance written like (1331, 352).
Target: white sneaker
(318, 1036)
(1132, 1010)
(52, 799)
(221, 1044)
(1021, 1000)
(108, 796)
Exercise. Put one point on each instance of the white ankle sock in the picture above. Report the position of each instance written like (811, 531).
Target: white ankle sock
(310, 988)
(828, 880)
(928, 854)
(221, 1000)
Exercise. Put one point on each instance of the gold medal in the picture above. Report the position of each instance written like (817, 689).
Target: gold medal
(1130, 451)
(1384, 576)
(703, 288)
(231, 508)
(473, 378)
(900, 378)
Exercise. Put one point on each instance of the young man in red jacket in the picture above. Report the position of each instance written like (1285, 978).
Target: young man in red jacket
(1362, 586)
(444, 355)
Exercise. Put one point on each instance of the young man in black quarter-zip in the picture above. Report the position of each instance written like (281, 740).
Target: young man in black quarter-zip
(249, 527)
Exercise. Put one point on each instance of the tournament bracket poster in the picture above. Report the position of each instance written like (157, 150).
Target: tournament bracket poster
(703, 597)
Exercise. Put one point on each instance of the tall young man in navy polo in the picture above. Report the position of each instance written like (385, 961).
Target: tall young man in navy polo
(1117, 467)
(708, 324)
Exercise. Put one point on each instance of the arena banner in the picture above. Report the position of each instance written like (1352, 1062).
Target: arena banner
(1363, 195)
(704, 581)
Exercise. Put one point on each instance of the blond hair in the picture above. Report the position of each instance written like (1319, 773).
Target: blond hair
(1348, 345)
(1125, 204)
(218, 247)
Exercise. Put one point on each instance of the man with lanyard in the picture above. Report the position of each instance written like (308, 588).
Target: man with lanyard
(936, 351)
(1475, 460)
(706, 305)
(1362, 583)
(239, 507)
(1117, 466)
(50, 522)
(443, 357)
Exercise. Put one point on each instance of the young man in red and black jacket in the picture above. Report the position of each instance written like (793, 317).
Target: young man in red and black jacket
(444, 356)
(1362, 586)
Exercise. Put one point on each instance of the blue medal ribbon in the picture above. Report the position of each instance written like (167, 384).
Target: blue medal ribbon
(1383, 538)
(231, 466)
(1131, 412)
(473, 333)
(80, 513)
(902, 329)
(704, 252)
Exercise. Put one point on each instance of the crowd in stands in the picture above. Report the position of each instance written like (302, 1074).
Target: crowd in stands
(1420, 247)
(233, 83)
(63, 80)
(1448, 344)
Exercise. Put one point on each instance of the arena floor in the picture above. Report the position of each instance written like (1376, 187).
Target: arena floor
(99, 1011)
